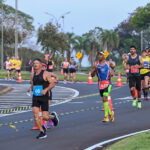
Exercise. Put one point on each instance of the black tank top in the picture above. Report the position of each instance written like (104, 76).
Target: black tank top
(132, 62)
(38, 80)
(50, 63)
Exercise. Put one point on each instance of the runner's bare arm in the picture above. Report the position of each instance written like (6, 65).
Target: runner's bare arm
(31, 87)
(94, 71)
(50, 80)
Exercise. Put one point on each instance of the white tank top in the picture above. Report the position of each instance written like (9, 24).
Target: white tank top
(65, 64)
(8, 64)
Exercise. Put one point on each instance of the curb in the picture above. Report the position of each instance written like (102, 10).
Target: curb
(5, 90)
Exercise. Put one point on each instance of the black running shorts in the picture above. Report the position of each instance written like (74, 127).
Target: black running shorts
(65, 70)
(146, 74)
(40, 101)
(135, 81)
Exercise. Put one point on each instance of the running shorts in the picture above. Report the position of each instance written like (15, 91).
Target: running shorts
(65, 70)
(40, 101)
(146, 74)
(72, 70)
(106, 91)
(135, 81)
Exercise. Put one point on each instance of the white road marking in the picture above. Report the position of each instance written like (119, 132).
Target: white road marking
(114, 139)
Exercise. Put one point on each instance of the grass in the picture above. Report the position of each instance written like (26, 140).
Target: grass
(137, 142)
(81, 78)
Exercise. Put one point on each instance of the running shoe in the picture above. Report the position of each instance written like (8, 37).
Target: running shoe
(139, 106)
(42, 135)
(112, 116)
(106, 119)
(145, 98)
(56, 119)
(134, 102)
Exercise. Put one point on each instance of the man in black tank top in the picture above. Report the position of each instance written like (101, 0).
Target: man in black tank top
(41, 83)
(134, 63)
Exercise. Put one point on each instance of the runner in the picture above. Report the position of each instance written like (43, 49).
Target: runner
(12, 67)
(65, 65)
(134, 62)
(145, 74)
(50, 63)
(41, 83)
(73, 69)
(18, 66)
(103, 73)
(126, 68)
(7, 64)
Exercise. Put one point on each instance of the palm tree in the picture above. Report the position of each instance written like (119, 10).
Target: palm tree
(92, 44)
(70, 41)
(79, 45)
(109, 39)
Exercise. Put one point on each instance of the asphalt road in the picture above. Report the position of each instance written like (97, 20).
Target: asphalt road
(80, 122)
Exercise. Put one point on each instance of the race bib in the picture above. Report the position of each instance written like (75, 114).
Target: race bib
(50, 67)
(146, 64)
(37, 90)
(134, 69)
(103, 84)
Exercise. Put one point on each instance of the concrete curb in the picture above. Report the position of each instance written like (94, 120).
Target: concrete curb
(5, 90)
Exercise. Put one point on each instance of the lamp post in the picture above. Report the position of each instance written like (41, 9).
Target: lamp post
(56, 21)
(63, 18)
(16, 28)
(2, 47)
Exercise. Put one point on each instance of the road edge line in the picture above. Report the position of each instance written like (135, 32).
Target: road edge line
(115, 139)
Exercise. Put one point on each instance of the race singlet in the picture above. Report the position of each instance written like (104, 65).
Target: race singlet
(37, 90)
(65, 64)
(134, 69)
(103, 84)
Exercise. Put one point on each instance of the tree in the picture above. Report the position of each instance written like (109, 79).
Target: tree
(70, 42)
(25, 26)
(109, 39)
(80, 45)
(51, 40)
(92, 44)
(141, 17)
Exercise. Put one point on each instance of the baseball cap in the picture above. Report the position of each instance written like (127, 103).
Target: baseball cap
(100, 52)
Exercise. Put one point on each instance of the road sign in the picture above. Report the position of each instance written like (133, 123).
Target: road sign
(79, 55)
(106, 53)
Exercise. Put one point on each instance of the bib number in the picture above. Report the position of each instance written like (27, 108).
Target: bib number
(134, 69)
(37, 90)
(146, 64)
(103, 84)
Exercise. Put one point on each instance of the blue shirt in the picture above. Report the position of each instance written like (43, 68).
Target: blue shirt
(103, 72)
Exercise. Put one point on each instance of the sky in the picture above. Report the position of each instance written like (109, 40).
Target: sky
(84, 14)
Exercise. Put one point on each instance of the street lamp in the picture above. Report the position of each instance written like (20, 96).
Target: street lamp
(16, 29)
(2, 47)
(63, 18)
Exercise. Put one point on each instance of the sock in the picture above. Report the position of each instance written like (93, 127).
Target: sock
(106, 108)
(139, 99)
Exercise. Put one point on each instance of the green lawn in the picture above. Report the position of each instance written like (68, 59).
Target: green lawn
(81, 78)
(137, 142)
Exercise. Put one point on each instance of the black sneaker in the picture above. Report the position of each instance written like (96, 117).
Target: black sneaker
(42, 135)
(55, 120)
(44, 129)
